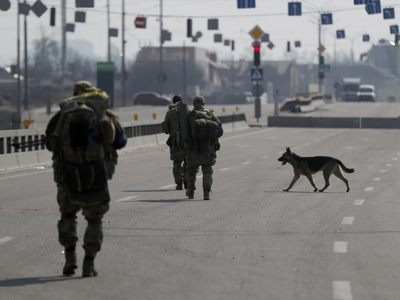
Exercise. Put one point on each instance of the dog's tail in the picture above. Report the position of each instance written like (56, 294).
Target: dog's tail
(347, 170)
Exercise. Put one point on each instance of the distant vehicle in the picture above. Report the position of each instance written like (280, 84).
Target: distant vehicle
(391, 99)
(151, 98)
(249, 97)
(350, 89)
(366, 92)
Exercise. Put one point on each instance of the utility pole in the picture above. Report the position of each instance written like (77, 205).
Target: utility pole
(352, 56)
(123, 54)
(64, 39)
(108, 31)
(18, 65)
(161, 47)
(320, 54)
(26, 62)
(184, 71)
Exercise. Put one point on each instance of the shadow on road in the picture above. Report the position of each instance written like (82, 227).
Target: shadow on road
(168, 201)
(303, 192)
(13, 282)
(146, 191)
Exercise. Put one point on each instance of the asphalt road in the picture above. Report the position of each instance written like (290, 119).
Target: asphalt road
(251, 241)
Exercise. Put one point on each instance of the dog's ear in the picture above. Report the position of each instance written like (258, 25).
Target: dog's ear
(288, 150)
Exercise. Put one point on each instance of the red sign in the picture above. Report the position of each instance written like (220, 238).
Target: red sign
(140, 22)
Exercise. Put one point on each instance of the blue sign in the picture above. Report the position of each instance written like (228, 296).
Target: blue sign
(257, 74)
(358, 2)
(246, 3)
(276, 95)
(340, 34)
(336, 85)
(394, 29)
(294, 8)
(388, 13)
(374, 7)
(326, 19)
(366, 38)
(327, 68)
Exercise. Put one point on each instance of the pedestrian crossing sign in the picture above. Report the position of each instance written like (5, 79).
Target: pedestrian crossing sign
(257, 74)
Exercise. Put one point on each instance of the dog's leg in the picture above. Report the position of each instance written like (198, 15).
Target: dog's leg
(327, 174)
(338, 173)
(295, 178)
(312, 182)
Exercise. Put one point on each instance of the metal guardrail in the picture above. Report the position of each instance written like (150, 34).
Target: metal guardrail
(132, 129)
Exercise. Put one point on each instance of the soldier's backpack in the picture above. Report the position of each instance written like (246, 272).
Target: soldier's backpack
(204, 127)
(81, 137)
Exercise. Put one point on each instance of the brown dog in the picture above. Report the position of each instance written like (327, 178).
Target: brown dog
(308, 166)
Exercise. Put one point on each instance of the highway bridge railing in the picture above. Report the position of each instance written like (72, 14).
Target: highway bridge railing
(140, 134)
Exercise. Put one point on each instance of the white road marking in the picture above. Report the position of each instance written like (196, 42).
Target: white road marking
(246, 134)
(306, 144)
(340, 247)
(126, 199)
(359, 202)
(347, 220)
(369, 189)
(167, 186)
(398, 153)
(5, 239)
(376, 179)
(388, 165)
(382, 171)
(264, 157)
(225, 169)
(297, 147)
(395, 158)
(342, 290)
(199, 176)
(246, 162)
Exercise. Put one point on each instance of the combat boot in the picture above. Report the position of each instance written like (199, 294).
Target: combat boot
(179, 187)
(88, 269)
(207, 195)
(70, 263)
(190, 194)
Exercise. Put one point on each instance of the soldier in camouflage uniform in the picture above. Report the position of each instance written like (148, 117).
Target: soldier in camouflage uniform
(68, 206)
(177, 152)
(201, 154)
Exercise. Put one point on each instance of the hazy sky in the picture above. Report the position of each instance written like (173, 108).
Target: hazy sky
(270, 15)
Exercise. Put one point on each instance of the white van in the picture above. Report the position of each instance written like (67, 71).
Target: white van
(366, 92)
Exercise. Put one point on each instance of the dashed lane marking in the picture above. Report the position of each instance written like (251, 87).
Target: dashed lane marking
(246, 162)
(395, 158)
(359, 202)
(382, 171)
(342, 290)
(376, 179)
(168, 186)
(388, 165)
(340, 247)
(199, 176)
(225, 169)
(5, 239)
(126, 199)
(348, 221)
(369, 189)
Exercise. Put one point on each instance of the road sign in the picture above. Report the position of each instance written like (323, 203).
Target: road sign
(366, 38)
(246, 3)
(212, 24)
(326, 19)
(327, 68)
(140, 22)
(276, 95)
(257, 74)
(336, 85)
(358, 2)
(256, 33)
(162, 77)
(388, 13)
(374, 7)
(84, 3)
(257, 90)
(217, 38)
(297, 44)
(38, 8)
(270, 45)
(5, 5)
(265, 38)
(321, 48)
(340, 34)
(294, 8)
(394, 29)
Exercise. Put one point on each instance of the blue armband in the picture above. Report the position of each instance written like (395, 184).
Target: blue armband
(220, 128)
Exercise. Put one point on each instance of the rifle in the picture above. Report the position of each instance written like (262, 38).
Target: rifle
(27, 144)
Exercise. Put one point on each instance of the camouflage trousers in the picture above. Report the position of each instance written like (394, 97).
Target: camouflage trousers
(207, 171)
(67, 225)
(180, 171)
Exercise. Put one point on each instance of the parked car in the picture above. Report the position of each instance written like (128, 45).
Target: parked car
(151, 98)
(366, 92)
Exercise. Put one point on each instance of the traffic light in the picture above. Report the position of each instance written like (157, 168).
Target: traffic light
(52, 16)
(233, 45)
(288, 46)
(189, 28)
(257, 55)
(321, 62)
(397, 39)
(321, 75)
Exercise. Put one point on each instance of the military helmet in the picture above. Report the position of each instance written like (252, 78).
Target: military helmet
(82, 87)
(177, 98)
(198, 100)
